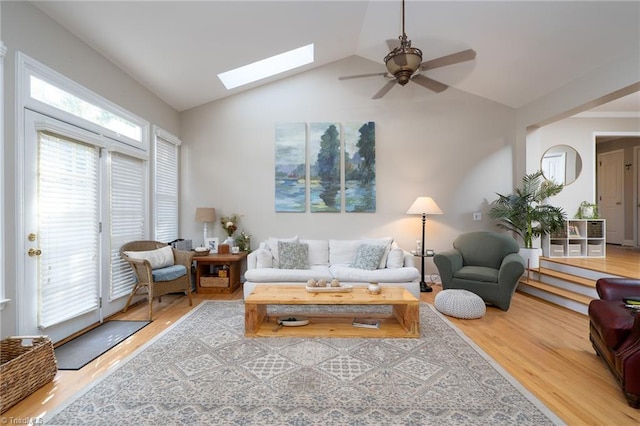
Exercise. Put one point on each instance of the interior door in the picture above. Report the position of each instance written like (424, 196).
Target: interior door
(637, 200)
(61, 292)
(611, 194)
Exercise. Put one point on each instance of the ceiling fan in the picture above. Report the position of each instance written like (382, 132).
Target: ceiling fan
(405, 62)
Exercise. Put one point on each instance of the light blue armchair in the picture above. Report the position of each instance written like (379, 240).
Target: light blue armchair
(485, 263)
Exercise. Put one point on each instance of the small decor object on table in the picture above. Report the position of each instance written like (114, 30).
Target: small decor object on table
(201, 251)
(211, 244)
(374, 288)
(366, 323)
(317, 287)
(230, 223)
(243, 241)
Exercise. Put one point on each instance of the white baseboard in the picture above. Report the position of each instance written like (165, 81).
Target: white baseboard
(628, 243)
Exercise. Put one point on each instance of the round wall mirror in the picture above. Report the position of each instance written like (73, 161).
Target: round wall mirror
(561, 164)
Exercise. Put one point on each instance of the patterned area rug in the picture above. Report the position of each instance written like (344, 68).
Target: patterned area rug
(202, 370)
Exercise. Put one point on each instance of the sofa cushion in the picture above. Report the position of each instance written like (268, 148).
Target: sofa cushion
(168, 273)
(318, 251)
(477, 273)
(264, 259)
(158, 258)
(343, 251)
(345, 273)
(272, 275)
(395, 259)
(272, 244)
(293, 255)
(368, 256)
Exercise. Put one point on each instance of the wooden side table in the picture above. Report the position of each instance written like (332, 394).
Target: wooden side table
(208, 281)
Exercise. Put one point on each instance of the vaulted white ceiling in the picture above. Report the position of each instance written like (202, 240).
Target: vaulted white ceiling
(525, 49)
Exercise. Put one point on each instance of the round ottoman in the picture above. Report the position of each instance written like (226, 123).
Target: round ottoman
(460, 304)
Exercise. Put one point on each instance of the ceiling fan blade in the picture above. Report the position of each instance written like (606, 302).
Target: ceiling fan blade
(349, 77)
(393, 43)
(429, 83)
(454, 58)
(384, 89)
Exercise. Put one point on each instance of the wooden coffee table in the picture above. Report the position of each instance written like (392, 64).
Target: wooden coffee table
(404, 322)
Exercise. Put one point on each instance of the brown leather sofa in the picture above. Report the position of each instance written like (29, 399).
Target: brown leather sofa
(614, 331)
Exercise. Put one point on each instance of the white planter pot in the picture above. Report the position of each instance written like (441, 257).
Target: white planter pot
(531, 257)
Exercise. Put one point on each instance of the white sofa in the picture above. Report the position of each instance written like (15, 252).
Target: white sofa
(329, 259)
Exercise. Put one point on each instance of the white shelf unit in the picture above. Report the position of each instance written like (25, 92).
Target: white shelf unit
(579, 238)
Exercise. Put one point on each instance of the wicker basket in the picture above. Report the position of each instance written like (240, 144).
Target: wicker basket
(214, 282)
(201, 253)
(25, 368)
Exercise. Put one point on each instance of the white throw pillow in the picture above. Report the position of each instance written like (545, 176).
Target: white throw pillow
(158, 258)
(395, 259)
(343, 251)
(318, 251)
(272, 243)
(264, 259)
(386, 242)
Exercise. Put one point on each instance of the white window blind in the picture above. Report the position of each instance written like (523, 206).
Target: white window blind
(68, 217)
(166, 190)
(127, 216)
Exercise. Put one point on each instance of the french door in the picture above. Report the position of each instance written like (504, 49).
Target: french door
(68, 259)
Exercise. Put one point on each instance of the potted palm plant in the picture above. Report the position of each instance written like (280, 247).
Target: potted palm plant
(525, 213)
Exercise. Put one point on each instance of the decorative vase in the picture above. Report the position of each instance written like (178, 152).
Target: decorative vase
(229, 241)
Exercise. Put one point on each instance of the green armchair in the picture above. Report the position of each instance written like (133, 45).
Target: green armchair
(485, 263)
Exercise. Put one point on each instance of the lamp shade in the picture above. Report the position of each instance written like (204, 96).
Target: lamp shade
(424, 205)
(205, 214)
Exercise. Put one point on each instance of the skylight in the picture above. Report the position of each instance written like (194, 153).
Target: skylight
(267, 67)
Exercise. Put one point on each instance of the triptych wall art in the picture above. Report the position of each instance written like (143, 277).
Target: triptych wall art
(332, 165)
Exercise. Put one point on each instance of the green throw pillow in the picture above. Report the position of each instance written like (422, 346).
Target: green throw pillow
(368, 256)
(293, 255)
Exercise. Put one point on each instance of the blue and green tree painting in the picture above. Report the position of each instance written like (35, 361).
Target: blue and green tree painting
(324, 154)
(360, 167)
(291, 167)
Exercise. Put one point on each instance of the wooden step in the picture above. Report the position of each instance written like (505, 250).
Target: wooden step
(579, 298)
(586, 282)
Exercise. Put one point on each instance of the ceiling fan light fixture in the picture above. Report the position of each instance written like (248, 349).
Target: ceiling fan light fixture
(403, 62)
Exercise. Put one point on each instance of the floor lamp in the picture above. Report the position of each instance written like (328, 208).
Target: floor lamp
(423, 206)
(204, 215)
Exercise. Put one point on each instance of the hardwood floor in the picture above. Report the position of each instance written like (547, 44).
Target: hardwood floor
(546, 348)
(621, 261)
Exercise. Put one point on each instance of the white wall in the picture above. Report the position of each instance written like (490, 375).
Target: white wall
(579, 133)
(597, 86)
(452, 146)
(26, 29)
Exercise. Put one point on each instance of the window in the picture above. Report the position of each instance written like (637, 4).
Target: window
(65, 101)
(165, 186)
(48, 92)
(267, 67)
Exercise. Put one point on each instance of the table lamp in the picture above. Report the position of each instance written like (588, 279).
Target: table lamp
(423, 206)
(205, 215)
